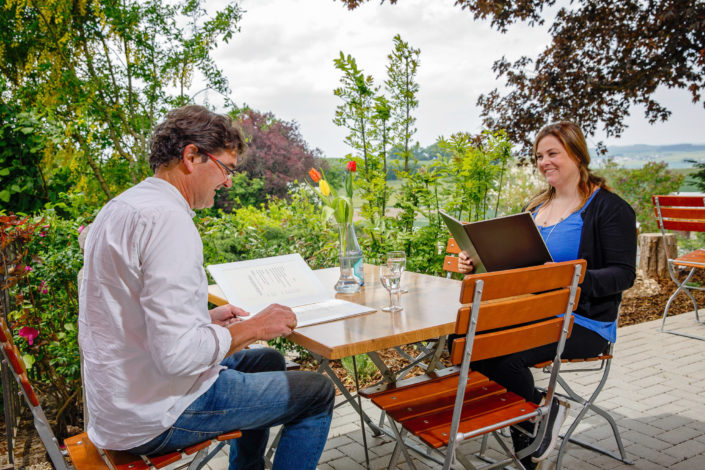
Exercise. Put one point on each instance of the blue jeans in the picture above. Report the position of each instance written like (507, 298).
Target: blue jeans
(253, 394)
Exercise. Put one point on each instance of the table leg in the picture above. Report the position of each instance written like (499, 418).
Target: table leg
(324, 367)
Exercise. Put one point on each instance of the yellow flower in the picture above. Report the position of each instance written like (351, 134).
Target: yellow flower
(324, 188)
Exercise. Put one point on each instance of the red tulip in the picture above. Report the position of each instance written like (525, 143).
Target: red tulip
(352, 165)
(314, 174)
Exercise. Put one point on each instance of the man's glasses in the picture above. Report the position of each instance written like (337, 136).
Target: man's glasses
(230, 171)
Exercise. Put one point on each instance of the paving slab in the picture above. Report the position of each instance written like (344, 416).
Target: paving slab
(655, 393)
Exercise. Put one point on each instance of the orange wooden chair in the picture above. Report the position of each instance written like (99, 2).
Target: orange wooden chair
(84, 455)
(601, 364)
(447, 407)
(682, 213)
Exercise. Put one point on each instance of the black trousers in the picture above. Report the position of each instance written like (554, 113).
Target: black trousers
(514, 370)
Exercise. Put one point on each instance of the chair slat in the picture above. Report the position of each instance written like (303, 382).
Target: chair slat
(501, 343)
(682, 225)
(229, 435)
(409, 395)
(162, 461)
(125, 460)
(195, 448)
(442, 418)
(681, 213)
(521, 281)
(446, 401)
(15, 360)
(681, 201)
(84, 455)
(524, 309)
(376, 390)
(28, 390)
(439, 437)
(452, 247)
(450, 264)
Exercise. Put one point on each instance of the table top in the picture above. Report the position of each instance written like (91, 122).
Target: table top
(430, 309)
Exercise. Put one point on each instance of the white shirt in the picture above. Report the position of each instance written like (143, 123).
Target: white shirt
(148, 343)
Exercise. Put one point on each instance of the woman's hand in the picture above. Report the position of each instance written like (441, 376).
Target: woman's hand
(465, 265)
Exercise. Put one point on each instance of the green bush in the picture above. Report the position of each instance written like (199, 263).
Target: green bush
(636, 186)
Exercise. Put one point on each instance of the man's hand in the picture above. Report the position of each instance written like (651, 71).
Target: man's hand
(465, 263)
(275, 320)
(227, 314)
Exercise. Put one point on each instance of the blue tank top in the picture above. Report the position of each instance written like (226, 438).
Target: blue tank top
(563, 242)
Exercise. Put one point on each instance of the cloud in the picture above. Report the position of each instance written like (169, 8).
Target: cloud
(282, 61)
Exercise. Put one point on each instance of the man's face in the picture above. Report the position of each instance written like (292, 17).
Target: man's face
(209, 176)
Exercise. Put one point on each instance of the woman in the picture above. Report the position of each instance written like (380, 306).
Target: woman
(578, 217)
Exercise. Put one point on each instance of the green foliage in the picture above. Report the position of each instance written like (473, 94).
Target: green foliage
(45, 297)
(365, 367)
(474, 173)
(698, 176)
(102, 72)
(638, 185)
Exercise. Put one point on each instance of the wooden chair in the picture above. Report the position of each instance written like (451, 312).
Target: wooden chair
(447, 407)
(450, 262)
(682, 213)
(85, 455)
(602, 363)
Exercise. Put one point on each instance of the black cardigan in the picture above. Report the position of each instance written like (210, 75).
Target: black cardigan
(608, 244)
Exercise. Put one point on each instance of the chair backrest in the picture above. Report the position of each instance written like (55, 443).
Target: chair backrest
(450, 262)
(41, 423)
(684, 213)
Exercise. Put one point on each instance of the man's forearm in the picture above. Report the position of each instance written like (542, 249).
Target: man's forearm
(242, 334)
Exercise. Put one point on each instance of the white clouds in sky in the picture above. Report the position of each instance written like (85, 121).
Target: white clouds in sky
(282, 61)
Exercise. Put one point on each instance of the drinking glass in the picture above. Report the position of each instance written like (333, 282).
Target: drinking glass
(397, 260)
(390, 277)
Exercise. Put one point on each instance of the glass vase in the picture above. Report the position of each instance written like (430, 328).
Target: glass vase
(350, 257)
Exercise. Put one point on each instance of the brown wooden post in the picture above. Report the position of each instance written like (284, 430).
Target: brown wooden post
(652, 254)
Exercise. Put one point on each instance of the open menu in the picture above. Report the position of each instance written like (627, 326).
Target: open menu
(286, 280)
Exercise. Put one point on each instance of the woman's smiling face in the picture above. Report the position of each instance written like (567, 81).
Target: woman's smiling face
(555, 164)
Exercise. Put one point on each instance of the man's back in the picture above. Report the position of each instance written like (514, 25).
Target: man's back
(144, 328)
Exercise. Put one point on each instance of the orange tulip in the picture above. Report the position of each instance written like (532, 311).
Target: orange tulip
(314, 174)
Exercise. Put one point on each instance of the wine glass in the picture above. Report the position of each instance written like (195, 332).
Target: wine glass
(397, 260)
(390, 276)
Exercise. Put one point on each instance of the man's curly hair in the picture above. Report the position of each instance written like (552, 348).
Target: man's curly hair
(196, 125)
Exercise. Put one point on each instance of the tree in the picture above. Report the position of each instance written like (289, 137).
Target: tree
(402, 91)
(355, 112)
(605, 57)
(277, 154)
(102, 71)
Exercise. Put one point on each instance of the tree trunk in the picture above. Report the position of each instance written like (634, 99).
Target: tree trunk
(652, 254)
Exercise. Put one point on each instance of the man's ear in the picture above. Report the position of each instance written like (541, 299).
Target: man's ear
(189, 156)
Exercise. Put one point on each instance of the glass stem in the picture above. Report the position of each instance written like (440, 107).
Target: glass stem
(397, 295)
(391, 303)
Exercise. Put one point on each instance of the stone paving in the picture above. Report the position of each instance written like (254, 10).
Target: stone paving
(655, 392)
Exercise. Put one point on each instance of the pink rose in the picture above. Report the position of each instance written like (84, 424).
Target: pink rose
(80, 229)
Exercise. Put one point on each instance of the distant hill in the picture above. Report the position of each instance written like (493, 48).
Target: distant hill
(634, 156)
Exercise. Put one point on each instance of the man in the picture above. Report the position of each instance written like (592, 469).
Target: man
(161, 371)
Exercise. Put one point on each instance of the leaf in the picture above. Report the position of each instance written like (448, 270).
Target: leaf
(28, 360)
(5, 195)
(4, 171)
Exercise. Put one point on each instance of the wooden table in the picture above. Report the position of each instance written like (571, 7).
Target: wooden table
(430, 309)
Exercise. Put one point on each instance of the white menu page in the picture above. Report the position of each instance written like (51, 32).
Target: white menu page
(286, 280)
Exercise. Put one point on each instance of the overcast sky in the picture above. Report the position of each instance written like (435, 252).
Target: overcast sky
(282, 61)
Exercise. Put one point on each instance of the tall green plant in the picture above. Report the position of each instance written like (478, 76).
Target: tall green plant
(474, 173)
(402, 90)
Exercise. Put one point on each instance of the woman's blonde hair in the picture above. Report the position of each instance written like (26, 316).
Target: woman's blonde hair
(573, 140)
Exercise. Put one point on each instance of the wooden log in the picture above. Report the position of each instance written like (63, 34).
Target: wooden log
(652, 254)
